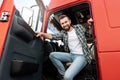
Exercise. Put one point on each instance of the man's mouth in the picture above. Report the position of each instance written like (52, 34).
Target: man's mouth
(66, 26)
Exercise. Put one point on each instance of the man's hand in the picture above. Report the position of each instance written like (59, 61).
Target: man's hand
(45, 35)
(39, 34)
(90, 21)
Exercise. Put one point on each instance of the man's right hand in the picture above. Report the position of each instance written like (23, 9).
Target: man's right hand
(45, 35)
(89, 21)
(39, 34)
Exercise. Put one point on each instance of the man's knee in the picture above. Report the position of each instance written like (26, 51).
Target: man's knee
(52, 54)
(68, 77)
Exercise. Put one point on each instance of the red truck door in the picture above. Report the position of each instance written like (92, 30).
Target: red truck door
(107, 29)
(21, 53)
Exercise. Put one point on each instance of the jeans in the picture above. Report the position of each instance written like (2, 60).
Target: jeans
(78, 63)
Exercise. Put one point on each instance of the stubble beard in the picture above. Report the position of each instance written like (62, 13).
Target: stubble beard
(67, 27)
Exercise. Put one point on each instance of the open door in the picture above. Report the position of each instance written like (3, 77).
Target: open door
(22, 54)
(79, 13)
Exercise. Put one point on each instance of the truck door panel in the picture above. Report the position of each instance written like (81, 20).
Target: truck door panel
(23, 53)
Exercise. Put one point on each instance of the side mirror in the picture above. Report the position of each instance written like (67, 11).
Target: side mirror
(27, 14)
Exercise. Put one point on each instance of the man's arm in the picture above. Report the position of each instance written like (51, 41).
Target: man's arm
(45, 35)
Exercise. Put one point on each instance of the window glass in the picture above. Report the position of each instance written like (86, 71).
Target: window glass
(30, 12)
(1, 2)
(52, 27)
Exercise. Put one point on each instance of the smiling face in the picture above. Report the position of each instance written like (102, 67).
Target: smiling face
(65, 23)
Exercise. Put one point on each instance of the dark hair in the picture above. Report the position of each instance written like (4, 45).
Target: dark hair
(62, 16)
(88, 16)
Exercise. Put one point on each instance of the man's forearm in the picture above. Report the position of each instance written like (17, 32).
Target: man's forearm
(47, 35)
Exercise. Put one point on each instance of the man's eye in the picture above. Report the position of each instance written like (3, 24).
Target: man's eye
(65, 21)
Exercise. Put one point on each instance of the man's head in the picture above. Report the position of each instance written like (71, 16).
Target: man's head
(65, 22)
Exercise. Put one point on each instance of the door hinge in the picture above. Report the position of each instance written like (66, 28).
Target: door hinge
(4, 17)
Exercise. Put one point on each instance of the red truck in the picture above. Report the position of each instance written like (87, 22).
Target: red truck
(25, 57)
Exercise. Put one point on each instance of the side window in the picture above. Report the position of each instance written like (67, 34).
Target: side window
(27, 17)
(1, 1)
(31, 13)
(52, 27)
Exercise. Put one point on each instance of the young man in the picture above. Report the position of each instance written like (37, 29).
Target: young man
(75, 46)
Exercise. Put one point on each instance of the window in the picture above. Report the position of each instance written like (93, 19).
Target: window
(31, 13)
(1, 1)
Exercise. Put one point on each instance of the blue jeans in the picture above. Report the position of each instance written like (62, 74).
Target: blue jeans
(78, 63)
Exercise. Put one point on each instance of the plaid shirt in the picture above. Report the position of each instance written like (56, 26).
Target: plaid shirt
(80, 31)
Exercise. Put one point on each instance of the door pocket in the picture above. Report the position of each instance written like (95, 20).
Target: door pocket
(22, 68)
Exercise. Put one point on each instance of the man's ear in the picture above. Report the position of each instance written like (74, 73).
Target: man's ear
(70, 22)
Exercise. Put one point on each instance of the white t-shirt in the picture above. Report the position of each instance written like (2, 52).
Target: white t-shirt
(74, 43)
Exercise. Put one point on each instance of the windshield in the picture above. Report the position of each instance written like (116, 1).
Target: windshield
(31, 13)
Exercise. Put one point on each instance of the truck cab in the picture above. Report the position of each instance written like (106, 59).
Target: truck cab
(23, 56)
